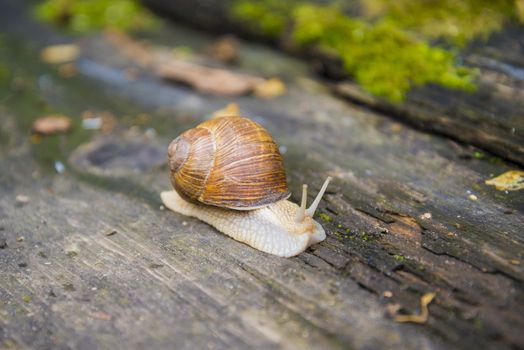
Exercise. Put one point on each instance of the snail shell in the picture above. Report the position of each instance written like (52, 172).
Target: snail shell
(229, 162)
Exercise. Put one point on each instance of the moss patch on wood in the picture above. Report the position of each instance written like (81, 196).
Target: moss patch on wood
(389, 51)
(456, 21)
(325, 217)
(88, 15)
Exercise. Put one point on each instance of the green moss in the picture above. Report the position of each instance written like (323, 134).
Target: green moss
(478, 324)
(69, 287)
(385, 60)
(268, 17)
(325, 217)
(88, 15)
(72, 253)
(344, 233)
(456, 21)
(26, 298)
(4, 70)
(388, 51)
(478, 155)
(399, 258)
(4, 73)
(495, 160)
(9, 344)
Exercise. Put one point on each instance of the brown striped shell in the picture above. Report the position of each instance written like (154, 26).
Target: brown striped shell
(229, 162)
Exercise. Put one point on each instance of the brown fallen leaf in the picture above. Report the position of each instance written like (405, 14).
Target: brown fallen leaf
(270, 88)
(52, 124)
(387, 294)
(67, 70)
(512, 180)
(213, 81)
(60, 53)
(424, 311)
(165, 64)
(225, 49)
(138, 52)
(231, 109)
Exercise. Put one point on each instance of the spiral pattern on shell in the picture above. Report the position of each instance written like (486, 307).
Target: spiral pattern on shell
(229, 162)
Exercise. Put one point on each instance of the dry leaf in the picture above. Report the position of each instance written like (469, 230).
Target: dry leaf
(512, 180)
(52, 124)
(231, 109)
(424, 311)
(225, 49)
(67, 70)
(387, 294)
(270, 88)
(138, 52)
(208, 80)
(60, 53)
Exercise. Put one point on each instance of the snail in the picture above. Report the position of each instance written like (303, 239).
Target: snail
(228, 172)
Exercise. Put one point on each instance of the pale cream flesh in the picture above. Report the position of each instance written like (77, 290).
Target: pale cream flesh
(282, 228)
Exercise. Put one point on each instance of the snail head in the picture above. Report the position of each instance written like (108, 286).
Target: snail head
(302, 212)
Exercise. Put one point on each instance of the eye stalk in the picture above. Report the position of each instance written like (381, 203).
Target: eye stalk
(302, 211)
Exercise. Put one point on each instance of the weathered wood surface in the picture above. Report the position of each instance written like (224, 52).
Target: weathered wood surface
(165, 281)
(492, 118)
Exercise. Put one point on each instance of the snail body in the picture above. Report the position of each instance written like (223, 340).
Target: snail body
(229, 173)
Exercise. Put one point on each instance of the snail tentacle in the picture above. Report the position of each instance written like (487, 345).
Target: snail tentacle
(311, 210)
(301, 212)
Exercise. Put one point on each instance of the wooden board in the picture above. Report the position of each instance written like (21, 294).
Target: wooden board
(400, 222)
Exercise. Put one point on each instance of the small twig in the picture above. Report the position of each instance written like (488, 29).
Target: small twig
(424, 311)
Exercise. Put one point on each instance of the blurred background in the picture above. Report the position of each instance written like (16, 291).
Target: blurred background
(447, 66)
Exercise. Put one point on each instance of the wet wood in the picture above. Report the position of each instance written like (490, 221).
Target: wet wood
(491, 118)
(399, 217)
